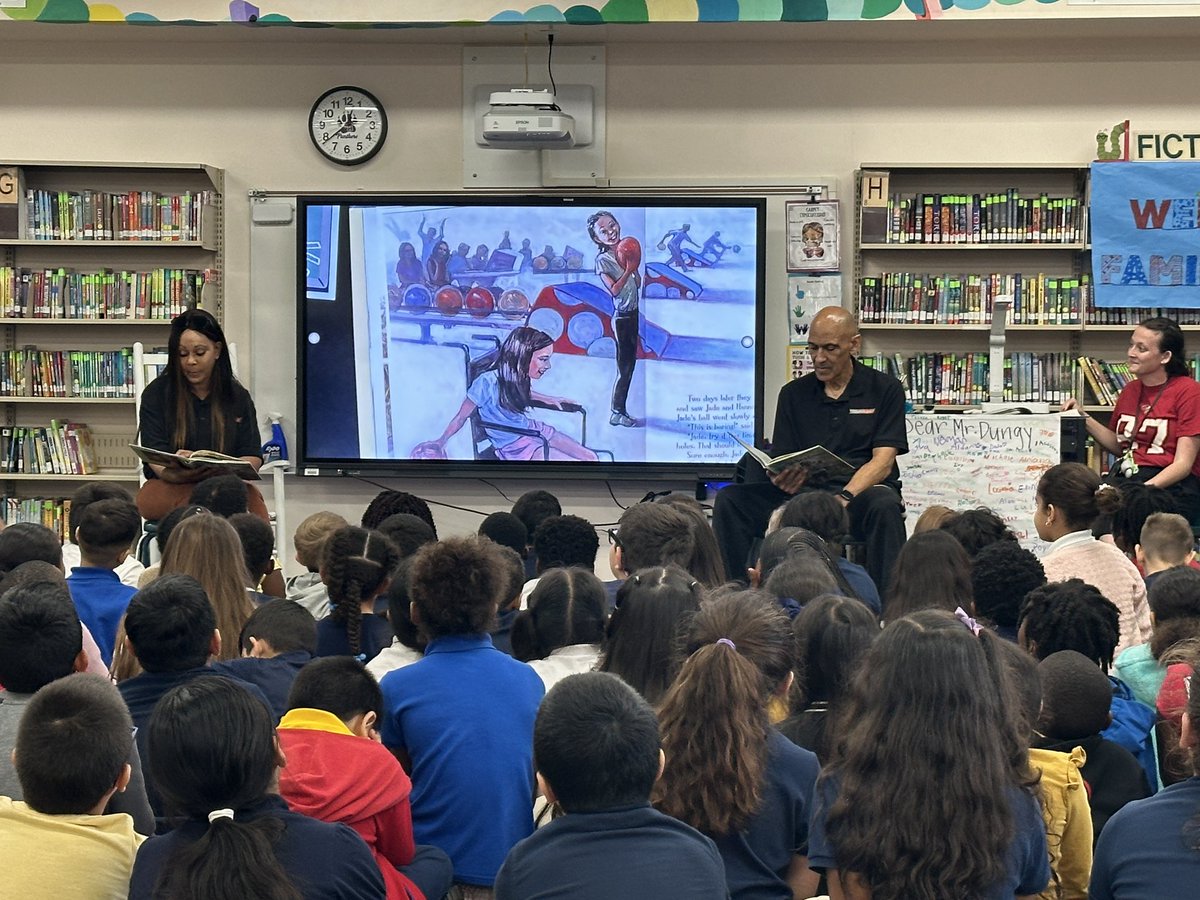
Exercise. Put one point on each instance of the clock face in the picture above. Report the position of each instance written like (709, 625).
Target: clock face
(348, 125)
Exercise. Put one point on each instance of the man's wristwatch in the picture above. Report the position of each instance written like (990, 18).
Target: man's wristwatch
(845, 495)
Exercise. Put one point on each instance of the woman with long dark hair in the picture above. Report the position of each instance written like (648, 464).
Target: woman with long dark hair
(730, 774)
(1154, 429)
(928, 794)
(215, 760)
(502, 391)
(195, 404)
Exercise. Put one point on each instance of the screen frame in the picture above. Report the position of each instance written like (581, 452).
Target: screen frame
(557, 469)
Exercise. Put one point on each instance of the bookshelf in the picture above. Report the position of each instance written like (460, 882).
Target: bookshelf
(98, 256)
(934, 244)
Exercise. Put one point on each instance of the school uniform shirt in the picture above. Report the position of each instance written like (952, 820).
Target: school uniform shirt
(633, 852)
(326, 862)
(375, 633)
(100, 600)
(1145, 852)
(129, 571)
(273, 675)
(1027, 864)
(757, 857)
(565, 661)
(334, 775)
(394, 657)
(78, 856)
(464, 714)
(141, 695)
(858, 578)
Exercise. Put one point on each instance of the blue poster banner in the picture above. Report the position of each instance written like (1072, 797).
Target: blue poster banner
(1145, 234)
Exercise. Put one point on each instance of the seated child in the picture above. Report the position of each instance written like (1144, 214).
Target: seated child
(308, 589)
(408, 645)
(356, 567)
(41, 642)
(463, 714)
(277, 641)
(389, 503)
(105, 536)
(1165, 542)
(337, 771)
(513, 574)
(408, 532)
(1075, 710)
(130, 570)
(171, 629)
(561, 631)
(25, 541)
(167, 525)
(1002, 573)
(596, 748)
(508, 531)
(1165, 547)
(1074, 615)
(1065, 807)
(36, 571)
(217, 760)
(224, 495)
(258, 547)
(72, 753)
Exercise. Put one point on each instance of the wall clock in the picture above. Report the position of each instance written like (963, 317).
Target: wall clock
(348, 125)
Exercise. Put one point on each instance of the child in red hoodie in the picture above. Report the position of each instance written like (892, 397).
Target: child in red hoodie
(338, 771)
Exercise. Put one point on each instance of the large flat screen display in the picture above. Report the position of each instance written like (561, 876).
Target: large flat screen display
(529, 334)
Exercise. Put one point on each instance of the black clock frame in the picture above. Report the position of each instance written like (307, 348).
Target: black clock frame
(358, 161)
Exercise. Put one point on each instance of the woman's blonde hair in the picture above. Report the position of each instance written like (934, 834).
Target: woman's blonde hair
(208, 549)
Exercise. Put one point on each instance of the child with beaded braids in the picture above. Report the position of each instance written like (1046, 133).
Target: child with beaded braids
(356, 567)
(729, 774)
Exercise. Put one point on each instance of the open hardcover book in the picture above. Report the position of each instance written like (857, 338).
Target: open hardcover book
(199, 459)
(821, 463)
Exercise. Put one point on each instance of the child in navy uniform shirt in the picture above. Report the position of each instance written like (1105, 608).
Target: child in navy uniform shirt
(277, 641)
(596, 745)
(357, 568)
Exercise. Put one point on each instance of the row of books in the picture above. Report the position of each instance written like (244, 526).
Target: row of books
(1105, 379)
(53, 512)
(1131, 315)
(60, 448)
(103, 216)
(100, 374)
(68, 294)
(961, 379)
(1005, 217)
(952, 299)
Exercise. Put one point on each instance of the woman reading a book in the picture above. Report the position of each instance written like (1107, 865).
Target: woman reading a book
(195, 404)
(1154, 430)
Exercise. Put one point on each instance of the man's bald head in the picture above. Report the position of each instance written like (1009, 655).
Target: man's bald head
(833, 340)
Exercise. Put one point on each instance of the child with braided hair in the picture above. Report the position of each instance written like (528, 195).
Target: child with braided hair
(356, 566)
(1073, 615)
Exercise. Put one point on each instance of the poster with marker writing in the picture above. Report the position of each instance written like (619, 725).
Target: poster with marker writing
(1146, 234)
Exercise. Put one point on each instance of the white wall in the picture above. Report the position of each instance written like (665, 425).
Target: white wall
(707, 109)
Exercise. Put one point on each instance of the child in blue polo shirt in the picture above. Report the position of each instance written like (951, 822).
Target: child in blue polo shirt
(596, 742)
(463, 714)
(105, 536)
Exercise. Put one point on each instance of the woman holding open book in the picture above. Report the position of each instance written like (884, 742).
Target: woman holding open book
(195, 404)
(1154, 430)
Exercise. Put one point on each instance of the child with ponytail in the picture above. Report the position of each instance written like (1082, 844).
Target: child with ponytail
(928, 794)
(215, 759)
(356, 567)
(729, 774)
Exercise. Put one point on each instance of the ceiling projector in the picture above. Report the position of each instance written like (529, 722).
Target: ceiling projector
(527, 119)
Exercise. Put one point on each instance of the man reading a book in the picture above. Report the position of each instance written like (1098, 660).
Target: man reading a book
(851, 410)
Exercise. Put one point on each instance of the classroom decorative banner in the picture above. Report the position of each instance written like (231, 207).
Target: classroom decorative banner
(1145, 237)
